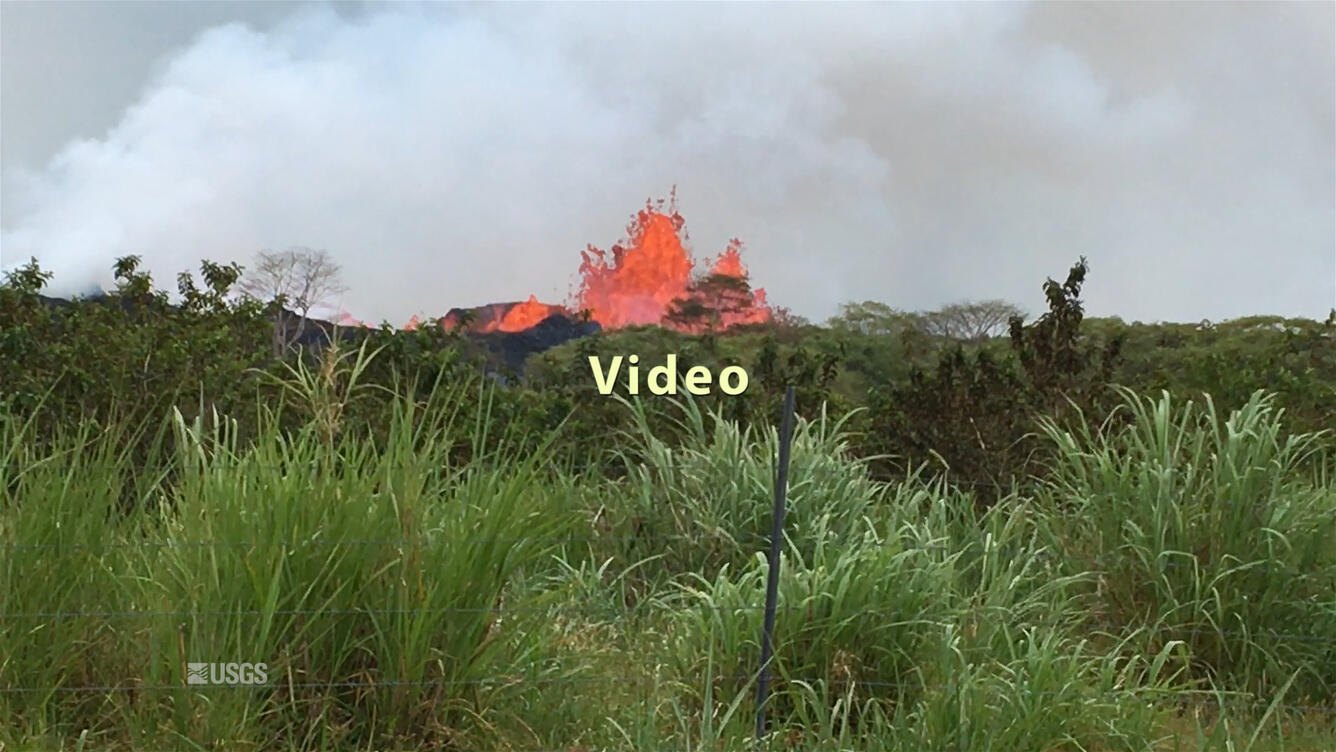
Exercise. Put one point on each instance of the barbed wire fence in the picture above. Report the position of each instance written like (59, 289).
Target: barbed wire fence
(537, 676)
(540, 673)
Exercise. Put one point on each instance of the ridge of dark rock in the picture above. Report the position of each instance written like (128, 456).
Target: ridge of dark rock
(510, 348)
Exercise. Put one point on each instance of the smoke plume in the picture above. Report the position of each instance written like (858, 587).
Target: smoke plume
(454, 155)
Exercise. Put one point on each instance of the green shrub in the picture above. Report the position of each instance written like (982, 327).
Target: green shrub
(704, 501)
(1204, 528)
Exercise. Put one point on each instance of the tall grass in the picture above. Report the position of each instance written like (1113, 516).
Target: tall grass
(64, 531)
(703, 501)
(1178, 559)
(1203, 528)
(366, 580)
(929, 636)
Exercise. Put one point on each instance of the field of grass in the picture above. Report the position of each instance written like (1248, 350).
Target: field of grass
(1172, 586)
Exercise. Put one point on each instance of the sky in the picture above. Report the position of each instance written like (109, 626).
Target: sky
(914, 154)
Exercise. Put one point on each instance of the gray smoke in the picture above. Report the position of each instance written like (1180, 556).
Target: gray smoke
(917, 154)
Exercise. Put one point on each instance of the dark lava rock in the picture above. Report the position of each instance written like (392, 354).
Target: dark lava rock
(516, 347)
(509, 348)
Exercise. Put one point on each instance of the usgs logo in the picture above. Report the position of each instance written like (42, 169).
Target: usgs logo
(227, 673)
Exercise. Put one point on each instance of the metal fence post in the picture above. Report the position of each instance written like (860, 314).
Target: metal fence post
(776, 542)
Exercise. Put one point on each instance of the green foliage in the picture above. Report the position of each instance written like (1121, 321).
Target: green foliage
(368, 572)
(249, 558)
(1204, 528)
(1128, 550)
(965, 405)
(975, 414)
(128, 358)
(699, 496)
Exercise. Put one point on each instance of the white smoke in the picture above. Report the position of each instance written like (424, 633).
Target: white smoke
(913, 153)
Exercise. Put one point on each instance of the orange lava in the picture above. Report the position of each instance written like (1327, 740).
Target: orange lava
(646, 273)
(640, 281)
(753, 311)
(651, 270)
(525, 315)
(503, 317)
(730, 261)
(346, 319)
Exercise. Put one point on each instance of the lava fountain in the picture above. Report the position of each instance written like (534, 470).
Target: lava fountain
(649, 278)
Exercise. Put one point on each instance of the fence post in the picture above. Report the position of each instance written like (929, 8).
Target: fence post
(776, 543)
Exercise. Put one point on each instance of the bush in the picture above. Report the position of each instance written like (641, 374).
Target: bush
(1206, 529)
(704, 501)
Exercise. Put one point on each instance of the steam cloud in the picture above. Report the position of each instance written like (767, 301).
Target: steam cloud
(917, 154)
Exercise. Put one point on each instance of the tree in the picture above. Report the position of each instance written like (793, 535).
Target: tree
(710, 302)
(690, 314)
(784, 318)
(872, 318)
(1061, 365)
(975, 410)
(970, 320)
(299, 277)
